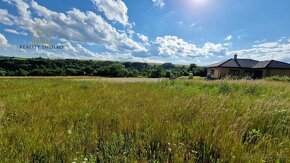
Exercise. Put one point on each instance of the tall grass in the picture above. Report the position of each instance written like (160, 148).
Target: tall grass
(279, 78)
(201, 121)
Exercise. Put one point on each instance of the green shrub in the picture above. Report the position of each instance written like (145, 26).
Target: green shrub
(168, 74)
(279, 78)
(190, 76)
(2, 73)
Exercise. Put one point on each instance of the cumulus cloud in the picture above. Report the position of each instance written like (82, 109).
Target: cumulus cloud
(143, 37)
(24, 12)
(158, 3)
(70, 50)
(174, 46)
(83, 27)
(229, 38)
(267, 45)
(83, 51)
(15, 32)
(78, 51)
(114, 10)
(3, 41)
(6, 18)
(7, 1)
(266, 51)
(192, 25)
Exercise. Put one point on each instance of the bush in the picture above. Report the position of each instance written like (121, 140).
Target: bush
(279, 78)
(168, 74)
(190, 76)
(168, 66)
(21, 73)
(156, 73)
(185, 73)
(2, 73)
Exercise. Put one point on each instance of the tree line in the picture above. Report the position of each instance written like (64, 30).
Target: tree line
(74, 67)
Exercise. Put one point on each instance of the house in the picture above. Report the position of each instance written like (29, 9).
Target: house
(247, 68)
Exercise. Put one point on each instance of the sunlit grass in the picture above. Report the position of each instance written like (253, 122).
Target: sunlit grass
(53, 120)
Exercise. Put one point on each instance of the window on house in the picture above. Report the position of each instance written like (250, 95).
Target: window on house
(234, 73)
(248, 73)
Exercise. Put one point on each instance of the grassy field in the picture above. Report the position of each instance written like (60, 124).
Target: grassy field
(65, 120)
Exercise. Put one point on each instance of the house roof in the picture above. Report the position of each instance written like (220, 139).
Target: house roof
(272, 64)
(261, 64)
(249, 63)
(235, 63)
(217, 64)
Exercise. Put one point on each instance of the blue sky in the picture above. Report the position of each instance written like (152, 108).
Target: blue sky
(177, 31)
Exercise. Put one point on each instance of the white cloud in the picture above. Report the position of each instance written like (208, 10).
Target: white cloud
(6, 18)
(7, 1)
(260, 41)
(228, 38)
(288, 40)
(180, 22)
(114, 10)
(83, 27)
(174, 46)
(192, 25)
(24, 19)
(78, 26)
(158, 3)
(143, 37)
(228, 44)
(23, 9)
(266, 51)
(15, 32)
(3, 41)
(48, 54)
(86, 52)
(130, 32)
(267, 45)
(78, 51)
(68, 47)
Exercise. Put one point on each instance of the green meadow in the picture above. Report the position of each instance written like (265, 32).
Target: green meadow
(64, 120)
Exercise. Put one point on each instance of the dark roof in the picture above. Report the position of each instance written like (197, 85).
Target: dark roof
(249, 63)
(235, 63)
(217, 64)
(272, 64)
(261, 64)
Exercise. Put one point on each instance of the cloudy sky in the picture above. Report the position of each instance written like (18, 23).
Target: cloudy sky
(177, 31)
